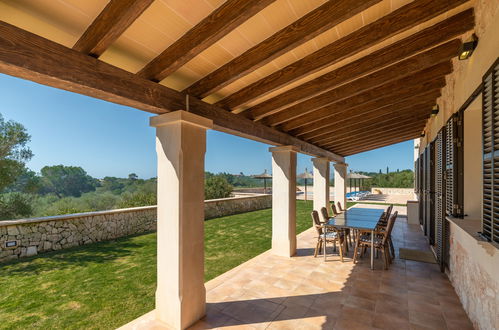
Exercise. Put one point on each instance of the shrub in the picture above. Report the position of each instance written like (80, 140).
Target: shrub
(15, 205)
(217, 187)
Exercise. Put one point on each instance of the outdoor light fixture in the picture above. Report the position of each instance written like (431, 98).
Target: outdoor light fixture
(434, 110)
(467, 48)
(422, 134)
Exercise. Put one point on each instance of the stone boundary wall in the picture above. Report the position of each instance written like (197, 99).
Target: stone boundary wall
(28, 237)
(393, 191)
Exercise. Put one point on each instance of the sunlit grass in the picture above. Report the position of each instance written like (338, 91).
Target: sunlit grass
(105, 285)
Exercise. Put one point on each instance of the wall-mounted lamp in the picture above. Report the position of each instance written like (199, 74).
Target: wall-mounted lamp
(422, 134)
(467, 48)
(434, 110)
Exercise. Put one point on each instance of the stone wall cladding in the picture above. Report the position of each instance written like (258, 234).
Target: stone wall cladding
(215, 208)
(38, 235)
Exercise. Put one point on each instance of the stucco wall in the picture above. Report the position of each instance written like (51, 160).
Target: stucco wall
(474, 266)
(38, 235)
(473, 271)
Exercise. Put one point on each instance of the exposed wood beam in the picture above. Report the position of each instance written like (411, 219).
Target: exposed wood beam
(348, 109)
(381, 144)
(391, 73)
(393, 87)
(116, 17)
(29, 56)
(309, 26)
(357, 117)
(410, 112)
(429, 37)
(218, 24)
(378, 134)
(404, 18)
(419, 112)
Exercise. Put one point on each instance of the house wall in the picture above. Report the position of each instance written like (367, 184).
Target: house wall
(474, 266)
(37, 235)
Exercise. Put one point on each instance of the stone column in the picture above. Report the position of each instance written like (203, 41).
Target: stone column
(321, 183)
(180, 147)
(284, 200)
(340, 188)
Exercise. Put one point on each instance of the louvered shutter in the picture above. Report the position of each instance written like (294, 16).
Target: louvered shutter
(430, 204)
(440, 221)
(449, 166)
(490, 130)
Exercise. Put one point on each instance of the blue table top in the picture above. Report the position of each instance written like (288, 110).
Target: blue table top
(357, 218)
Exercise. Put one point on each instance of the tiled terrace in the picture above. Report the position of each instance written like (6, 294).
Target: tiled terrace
(304, 292)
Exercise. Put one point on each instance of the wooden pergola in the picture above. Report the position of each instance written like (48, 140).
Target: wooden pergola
(325, 78)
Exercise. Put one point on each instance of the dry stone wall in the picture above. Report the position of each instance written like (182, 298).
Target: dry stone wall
(28, 237)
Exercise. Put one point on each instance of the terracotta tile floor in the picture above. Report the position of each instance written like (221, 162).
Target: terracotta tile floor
(304, 292)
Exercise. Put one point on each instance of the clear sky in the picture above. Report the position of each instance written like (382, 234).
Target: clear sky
(107, 139)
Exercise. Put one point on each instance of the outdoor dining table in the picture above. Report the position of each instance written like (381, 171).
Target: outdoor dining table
(356, 218)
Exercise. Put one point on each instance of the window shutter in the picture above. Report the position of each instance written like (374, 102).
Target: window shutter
(449, 166)
(490, 131)
(440, 222)
(454, 158)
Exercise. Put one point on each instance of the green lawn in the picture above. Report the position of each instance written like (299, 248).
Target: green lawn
(105, 285)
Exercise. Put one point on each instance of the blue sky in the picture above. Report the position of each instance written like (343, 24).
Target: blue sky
(107, 139)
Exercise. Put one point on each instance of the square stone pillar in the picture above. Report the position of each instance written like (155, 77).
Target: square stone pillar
(180, 147)
(321, 183)
(340, 188)
(284, 200)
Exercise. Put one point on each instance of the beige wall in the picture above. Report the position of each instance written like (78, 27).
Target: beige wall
(473, 160)
(474, 267)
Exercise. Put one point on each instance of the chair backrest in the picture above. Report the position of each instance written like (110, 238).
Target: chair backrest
(325, 215)
(389, 227)
(386, 215)
(317, 222)
(339, 206)
(334, 210)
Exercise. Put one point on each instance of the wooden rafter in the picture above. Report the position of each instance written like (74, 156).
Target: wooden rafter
(354, 127)
(368, 145)
(404, 18)
(223, 20)
(309, 26)
(379, 134)
(419, 111)
(393, 87)
(429, 37)
(28, 56)
(391, 73)
(116, 17)
(361, 115)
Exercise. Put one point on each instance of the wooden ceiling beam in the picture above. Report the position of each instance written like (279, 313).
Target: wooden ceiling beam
(419, 112)
(429, 37)
(379, 134)
(309, 26)
(366, 110)
(404, 18)
(29, 56)
(116, 17)
(218, 24)
(390, 73)
(351, 108)
(394, 87)
(381, 144)
(377, 114)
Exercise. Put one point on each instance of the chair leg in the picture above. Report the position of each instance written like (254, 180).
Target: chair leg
(334, 246)
(355, 250)
(317, 248)
(392, 248)
(340, 245)
(385, 257)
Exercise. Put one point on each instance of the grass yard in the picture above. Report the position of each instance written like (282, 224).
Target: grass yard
(105, 285)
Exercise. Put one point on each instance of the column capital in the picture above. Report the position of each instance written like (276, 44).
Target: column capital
(340, 165)
(284, 149)
(180, 116)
